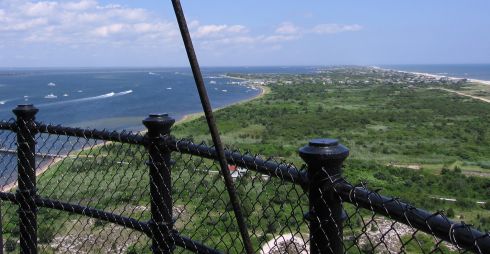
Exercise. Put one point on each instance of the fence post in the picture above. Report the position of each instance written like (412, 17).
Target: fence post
(26, 179)
(160, 183)
(1, 229)
(324, 158)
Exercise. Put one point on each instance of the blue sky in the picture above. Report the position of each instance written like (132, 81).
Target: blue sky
(244, 32)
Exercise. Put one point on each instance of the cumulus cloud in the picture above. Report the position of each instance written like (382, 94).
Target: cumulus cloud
(91, 22)
(335, 28)
(34, 9)
(80, 6)
(75, 23)
(219, 30)
(79, 22)
(287, 28)
(105, 31)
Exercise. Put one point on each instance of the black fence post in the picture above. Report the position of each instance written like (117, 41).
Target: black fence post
(324, 158)
(160, 183)
(26, 179)
(1, 229)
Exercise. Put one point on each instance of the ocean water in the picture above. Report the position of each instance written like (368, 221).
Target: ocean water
(110, 98)
(114, 98)
(469, 71)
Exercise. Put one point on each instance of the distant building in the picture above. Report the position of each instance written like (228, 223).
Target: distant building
(236, 172)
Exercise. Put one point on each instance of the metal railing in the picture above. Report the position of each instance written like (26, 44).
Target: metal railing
(79, 190)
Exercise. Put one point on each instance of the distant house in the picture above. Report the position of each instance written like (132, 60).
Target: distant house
(236, 172)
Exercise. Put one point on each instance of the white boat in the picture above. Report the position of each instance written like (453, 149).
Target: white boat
(224, 91)
(169, 88)
(51, 84)
(79, 91)
(50, 96)
(212, 82)
(65, 95)
(2, 102)
(151, 73)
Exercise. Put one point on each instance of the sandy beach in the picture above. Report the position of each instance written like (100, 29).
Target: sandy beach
(263, 91)
(435, 76)
(485, 82)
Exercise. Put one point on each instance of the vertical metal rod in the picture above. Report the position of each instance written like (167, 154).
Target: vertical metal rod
(160, 184)
(208, 112)
(26, 166)
(324, 158)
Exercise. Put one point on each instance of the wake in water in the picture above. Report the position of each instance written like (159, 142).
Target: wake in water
(99, 97)
(3, 102)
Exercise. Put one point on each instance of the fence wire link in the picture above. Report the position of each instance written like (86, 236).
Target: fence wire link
(105, 175)
(92, 181)
(371, 228)
(273, 208)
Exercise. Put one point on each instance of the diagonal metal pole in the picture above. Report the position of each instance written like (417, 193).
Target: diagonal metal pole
(208, 112)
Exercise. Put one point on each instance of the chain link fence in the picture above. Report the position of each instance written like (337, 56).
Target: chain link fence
(123, 192)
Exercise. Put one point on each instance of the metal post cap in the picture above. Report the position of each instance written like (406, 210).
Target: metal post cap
(159, 122)
(157, 115)
(323, 142)
(325, 148)
(25, 110)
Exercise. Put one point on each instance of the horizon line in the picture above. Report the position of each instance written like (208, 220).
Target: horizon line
(230, 66)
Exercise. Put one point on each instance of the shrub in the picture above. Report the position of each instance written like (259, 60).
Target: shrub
(10, 245)
(487, 205)
(450, 213)
(46, 234)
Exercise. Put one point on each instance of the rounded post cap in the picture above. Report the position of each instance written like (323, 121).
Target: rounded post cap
(323, 142)
(159, 122)
(25, 110)
(157, 115)
(324, 149)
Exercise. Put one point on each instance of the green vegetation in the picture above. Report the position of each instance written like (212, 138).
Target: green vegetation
(413, 142)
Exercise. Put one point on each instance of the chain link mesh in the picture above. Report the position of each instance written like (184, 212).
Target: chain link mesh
(105, 175)
(113, 176)
(374, 228)
(273, 208)
(8, 178)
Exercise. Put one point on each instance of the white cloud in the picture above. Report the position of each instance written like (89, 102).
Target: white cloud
(280, 38)
(287, 28)
(24, 25)
(335, 28)
(39, 8)
(219, 30)
(3, 16)
(80, 6)
(79, 23)
(105, 31)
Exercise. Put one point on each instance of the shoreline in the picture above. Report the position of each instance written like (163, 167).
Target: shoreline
(191, 116)
(42, 169)
(186, 118)
(436, 76)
